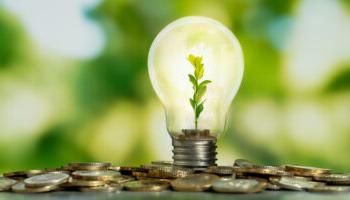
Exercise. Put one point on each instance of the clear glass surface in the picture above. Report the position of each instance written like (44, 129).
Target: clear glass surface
(169, 69)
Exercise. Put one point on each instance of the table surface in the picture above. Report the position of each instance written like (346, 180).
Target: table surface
(169, 195)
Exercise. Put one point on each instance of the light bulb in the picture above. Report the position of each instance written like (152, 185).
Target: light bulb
(207, 50)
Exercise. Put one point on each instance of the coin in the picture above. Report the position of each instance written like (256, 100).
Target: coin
(149, 178)
(303, 178)
(164, 163)
(194, 182)
(239, 186)
(127, 170)
(35, 172)
(139, 175)
(102, 175)
(46, 179)
(6, 183)
(159, 175)
(121, 179)
(220, 170)
(227, 177)
(151, 166)
(84, 183)
(18, 175)
(146, 185)
(272, 186)
(89, 166)
(329, 188)
(104, 188)
(263, 170)
(166, 173)
(243, 163)
(291, 183)
(305, 170)
(114, 168)
(21, 188)
(338, 179)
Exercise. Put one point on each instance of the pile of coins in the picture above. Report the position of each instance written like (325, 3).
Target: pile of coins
(242, 177)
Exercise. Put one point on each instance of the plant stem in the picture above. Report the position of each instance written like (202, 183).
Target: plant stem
(195, 105)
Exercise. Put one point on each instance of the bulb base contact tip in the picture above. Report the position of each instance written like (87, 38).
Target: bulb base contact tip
(194, 152)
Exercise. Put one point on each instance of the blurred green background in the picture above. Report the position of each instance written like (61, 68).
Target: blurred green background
(74, 83)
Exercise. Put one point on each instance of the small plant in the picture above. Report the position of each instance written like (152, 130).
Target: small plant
(199, 88)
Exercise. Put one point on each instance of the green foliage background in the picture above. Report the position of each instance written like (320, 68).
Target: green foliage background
(101, 108)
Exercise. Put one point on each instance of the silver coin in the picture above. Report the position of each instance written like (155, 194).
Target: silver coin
(21, 188)
(329, 188)
(291, 183)
(272, 186)
(239, 186)
(339, 179)
(46, 179)
(6, 183)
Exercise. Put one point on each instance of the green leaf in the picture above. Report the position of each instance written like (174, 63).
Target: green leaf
(200, 92)
(193, 103)
(204, 83)
(192, 59)
(193, 80)
(199, 109)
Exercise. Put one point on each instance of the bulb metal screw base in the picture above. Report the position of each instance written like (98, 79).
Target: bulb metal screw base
(194, 152)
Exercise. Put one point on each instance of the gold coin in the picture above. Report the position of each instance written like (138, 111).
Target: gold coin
(339, 179)
(220, 170)
(167, 173)
(6, 183)
(46, 179)
(146, 185)
(121, 179)
(194, 182)
(97, 175)
(104, 188)
(89, 166)
(127, 170)
(163, 163)
(21, 188)
(84, 183)
(305, 170)
(139, 175)
(18, 175)
(154, 179)
(114, 168)
(263, 170)
(239, 186)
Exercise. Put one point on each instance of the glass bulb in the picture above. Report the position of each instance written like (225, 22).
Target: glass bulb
(219, 54)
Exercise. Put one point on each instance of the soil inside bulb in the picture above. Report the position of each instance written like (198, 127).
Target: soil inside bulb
(195, 134)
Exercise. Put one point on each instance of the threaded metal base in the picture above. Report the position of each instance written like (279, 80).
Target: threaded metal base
(194, 152)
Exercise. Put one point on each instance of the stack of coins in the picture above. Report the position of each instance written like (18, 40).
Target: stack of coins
(242, 177)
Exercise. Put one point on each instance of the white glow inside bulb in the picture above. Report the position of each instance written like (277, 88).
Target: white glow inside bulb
(169, 68)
